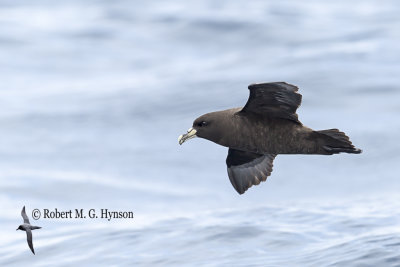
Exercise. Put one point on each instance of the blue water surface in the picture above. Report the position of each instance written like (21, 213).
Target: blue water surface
(94, 95)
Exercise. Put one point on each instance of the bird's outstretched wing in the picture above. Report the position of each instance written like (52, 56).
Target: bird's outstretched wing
(23, 214)
(247, 168)
(275, 100)
(29, 239)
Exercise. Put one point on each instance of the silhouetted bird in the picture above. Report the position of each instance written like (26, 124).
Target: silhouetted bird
(27, 227)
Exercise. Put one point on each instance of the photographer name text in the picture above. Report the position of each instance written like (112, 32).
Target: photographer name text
(81, 214)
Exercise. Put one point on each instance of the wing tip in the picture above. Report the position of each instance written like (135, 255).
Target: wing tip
(292, 87)
(243, 190)
(240, 192)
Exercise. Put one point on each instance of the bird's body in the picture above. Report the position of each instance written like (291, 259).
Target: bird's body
(266, 126)
(264, 135)
(26, 226)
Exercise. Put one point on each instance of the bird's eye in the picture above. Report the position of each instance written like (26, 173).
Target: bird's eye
(201, 124)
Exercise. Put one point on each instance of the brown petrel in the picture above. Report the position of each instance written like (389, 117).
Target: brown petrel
(265, 127)
(27, 227)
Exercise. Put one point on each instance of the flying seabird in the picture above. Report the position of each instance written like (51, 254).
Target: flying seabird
(265, 127)
(27, 227)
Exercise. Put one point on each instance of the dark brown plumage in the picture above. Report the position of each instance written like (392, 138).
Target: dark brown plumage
(266, 126)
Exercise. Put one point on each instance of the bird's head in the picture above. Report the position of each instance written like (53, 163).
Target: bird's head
(20, 228)
(206, 126)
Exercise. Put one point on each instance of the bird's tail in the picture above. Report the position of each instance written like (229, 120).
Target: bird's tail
(36, 227)
(334, 141)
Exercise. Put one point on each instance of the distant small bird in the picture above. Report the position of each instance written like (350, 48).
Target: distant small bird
(265, 127)
(27, 227)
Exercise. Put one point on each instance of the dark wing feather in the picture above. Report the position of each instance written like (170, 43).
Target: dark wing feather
(29, 239)
(276, 100)
(23, 214)
(247, 168)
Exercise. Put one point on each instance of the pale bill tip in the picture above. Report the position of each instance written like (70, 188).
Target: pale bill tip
(191, 133)
(180, 139)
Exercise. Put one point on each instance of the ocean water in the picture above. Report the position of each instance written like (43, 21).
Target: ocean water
(94, 95)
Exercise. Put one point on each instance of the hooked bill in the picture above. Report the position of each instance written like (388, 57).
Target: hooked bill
(191, 133)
